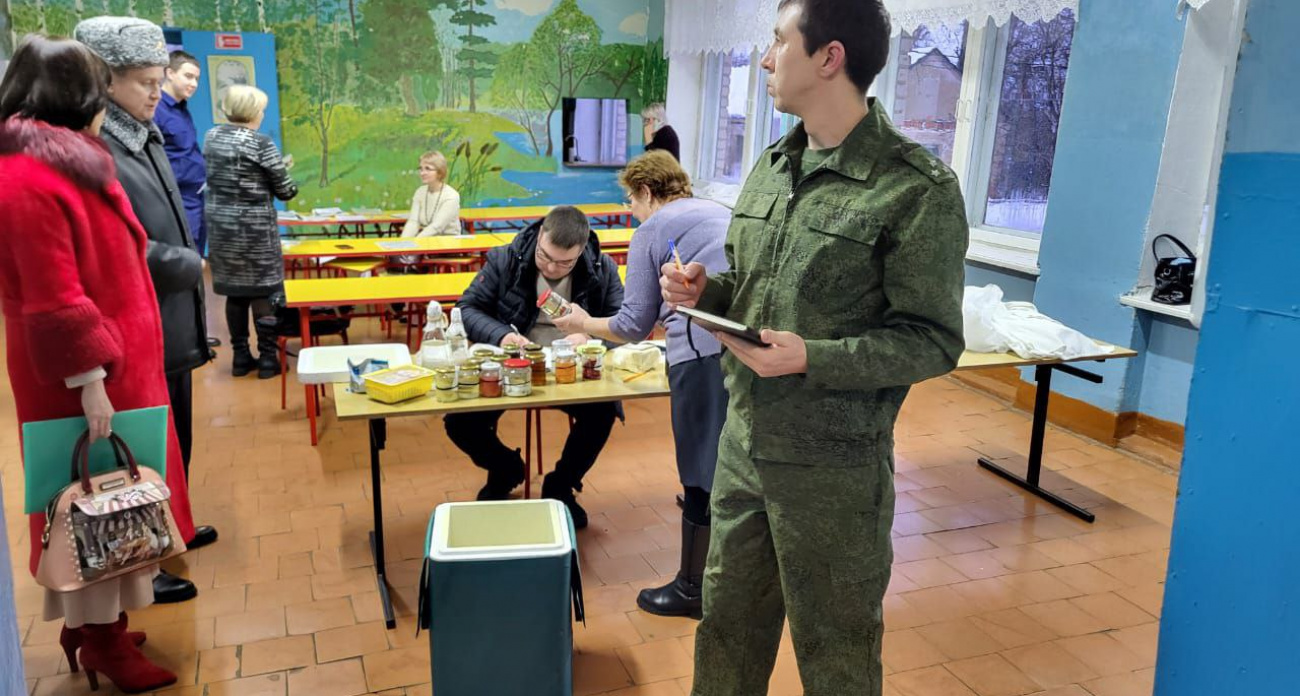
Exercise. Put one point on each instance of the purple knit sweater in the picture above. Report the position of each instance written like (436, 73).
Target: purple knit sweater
(699, 228)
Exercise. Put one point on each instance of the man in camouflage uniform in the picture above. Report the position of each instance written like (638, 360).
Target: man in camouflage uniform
(847, 245)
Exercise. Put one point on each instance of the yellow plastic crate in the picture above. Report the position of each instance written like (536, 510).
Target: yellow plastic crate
(399, 383)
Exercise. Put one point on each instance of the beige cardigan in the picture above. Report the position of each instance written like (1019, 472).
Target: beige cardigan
(433, 213)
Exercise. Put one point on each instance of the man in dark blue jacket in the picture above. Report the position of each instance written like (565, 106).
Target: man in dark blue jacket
(181, 140)
(563, 255)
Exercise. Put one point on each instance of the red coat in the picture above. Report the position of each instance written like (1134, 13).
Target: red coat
(76, 289)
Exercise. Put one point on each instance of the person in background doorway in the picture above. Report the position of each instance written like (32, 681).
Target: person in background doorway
(136, 53)
(658, 134)
(181, 142)
(246, 175)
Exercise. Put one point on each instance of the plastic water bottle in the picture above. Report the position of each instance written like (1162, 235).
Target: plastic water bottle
(434, 352)
(457, 338)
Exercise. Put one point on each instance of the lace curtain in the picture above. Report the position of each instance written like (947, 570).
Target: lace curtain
(1194, 4)
(718, 26)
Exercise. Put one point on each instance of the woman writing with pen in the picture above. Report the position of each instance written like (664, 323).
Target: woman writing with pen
(673, 226)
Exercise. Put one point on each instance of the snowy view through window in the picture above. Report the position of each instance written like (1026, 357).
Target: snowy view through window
(1029, 113)
(928, 85)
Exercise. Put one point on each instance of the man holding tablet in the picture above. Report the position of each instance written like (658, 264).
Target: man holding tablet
(847, 250)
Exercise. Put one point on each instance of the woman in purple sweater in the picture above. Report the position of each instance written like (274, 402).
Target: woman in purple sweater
(659, 192)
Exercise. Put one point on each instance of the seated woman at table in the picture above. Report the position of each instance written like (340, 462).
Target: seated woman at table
(245, 175)
(659, 191)
(435, 210)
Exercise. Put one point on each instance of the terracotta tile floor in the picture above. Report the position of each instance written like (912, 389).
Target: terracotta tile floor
(994, 593)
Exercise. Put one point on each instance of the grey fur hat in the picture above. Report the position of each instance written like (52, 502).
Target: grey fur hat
(124, 42)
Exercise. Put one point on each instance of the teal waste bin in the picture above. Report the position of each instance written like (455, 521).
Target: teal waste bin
(499, 593)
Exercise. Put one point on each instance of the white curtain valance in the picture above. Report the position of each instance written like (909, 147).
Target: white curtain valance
(718, 26)
(910, 14)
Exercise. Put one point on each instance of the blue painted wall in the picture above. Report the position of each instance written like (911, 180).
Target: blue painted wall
(1103, 183)
(11, 656)
(1230, 623)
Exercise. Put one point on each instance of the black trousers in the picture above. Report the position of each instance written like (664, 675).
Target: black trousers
(180, 389)
(476, 435)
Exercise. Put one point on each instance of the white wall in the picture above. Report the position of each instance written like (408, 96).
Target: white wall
(684, 88)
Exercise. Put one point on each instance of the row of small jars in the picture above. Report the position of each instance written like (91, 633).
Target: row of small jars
(522, 369)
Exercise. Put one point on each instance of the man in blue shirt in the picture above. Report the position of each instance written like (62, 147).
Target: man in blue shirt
(181, 140)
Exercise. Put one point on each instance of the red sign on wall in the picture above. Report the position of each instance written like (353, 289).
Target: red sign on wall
(230, 42)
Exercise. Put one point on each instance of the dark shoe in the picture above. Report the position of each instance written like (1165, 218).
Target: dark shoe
(214, 342)
(500, 482)
(268, 365)
(555, 489)
(203, 536)
(242, 362)
(682, 597)
(169, 589)
(681, 501)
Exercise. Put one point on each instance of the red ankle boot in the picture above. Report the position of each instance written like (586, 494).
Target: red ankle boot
(106, 648)
(70, 639)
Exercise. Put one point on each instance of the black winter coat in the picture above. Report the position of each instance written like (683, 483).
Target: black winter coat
(174, 264)
(505, 291)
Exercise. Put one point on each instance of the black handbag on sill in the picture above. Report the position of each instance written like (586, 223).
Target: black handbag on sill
(1174, 274)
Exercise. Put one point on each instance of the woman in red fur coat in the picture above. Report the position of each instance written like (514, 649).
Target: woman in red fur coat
(81, 320)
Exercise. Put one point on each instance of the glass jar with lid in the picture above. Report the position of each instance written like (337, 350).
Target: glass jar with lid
(537, 358)
(445, 386)
(566, 361)
(468, 378)
(517, 377)
(489, 380)
(592, 359)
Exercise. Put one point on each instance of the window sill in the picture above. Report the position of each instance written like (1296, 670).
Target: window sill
(1141, 299)
(1023, 261)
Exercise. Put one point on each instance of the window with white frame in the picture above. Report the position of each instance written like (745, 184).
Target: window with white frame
(985, 99)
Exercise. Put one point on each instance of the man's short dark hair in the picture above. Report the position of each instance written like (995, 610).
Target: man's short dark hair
(566, 227)
(180, 58)
(58, 81)
(861, 25)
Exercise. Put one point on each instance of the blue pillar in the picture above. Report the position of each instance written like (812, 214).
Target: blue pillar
(1230, 623)
(11, 656)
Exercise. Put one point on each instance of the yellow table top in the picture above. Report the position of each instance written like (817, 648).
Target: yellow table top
(360, 264)
(443, 244)
(536, 212)
(351, 406)
(429, 287)
(332, 292)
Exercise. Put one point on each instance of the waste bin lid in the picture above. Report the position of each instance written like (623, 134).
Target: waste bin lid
(474, 531)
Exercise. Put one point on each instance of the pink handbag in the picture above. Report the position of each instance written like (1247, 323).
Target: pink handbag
(99, 527)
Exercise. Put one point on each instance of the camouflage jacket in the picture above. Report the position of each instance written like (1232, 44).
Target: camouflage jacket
(864, 259)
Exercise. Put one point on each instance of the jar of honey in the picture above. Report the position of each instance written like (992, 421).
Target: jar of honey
(468, 378)
(538, 360)
(489, 380)
(445, 386)
(566, 361)
(517, 377)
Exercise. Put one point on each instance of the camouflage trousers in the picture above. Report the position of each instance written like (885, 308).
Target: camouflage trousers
(810, 542)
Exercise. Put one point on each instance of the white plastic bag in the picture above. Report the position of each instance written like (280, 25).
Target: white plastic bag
(994, 326)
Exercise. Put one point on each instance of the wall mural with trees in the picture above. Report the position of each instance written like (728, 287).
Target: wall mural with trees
(367, 85)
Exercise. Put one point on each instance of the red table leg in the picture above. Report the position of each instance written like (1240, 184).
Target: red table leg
(309, 390)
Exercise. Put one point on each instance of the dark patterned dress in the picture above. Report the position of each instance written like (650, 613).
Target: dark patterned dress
(245, 174)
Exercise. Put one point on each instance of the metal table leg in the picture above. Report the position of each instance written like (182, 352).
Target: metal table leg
(378, 436)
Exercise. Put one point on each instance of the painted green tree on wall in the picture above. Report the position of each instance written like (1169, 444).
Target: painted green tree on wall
(319, 79)
(563, 53)
(475, 61)
(396, 37)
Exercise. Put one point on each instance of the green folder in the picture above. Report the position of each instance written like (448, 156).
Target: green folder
(47, 450)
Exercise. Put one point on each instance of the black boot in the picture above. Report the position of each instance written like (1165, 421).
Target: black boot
(268, 350)
(242, 360)
(681, 597)
(555, 488)
(502, 479)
